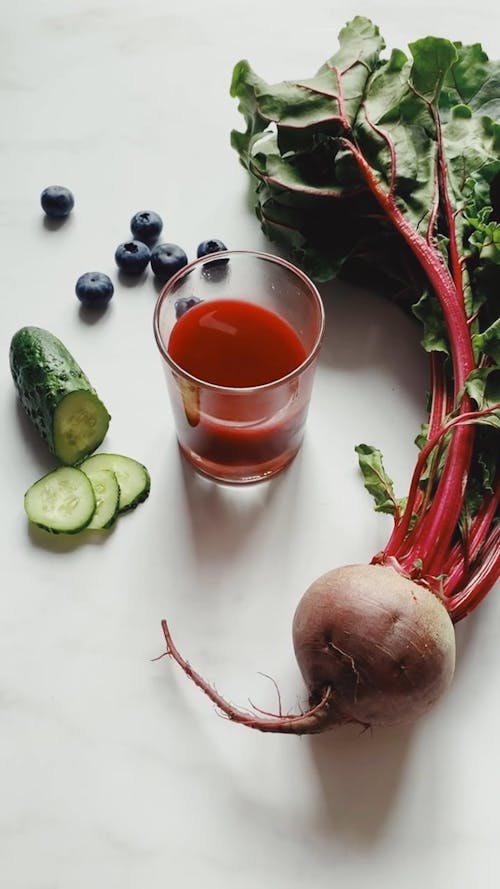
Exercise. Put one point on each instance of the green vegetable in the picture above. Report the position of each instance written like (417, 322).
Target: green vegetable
(56, 395)
(63, 501)
(385, 167)
(107, 497)
(133, 478)
(88, 497)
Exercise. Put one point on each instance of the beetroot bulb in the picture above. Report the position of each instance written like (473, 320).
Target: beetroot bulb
(378, 165)
(373, 647)
(384, 645)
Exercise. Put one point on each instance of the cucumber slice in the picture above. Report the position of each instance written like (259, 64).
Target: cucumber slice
(80, 422)
(62, 502)
(133, 478)
(107, 495)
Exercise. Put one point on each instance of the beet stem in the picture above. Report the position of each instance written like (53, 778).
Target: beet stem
(480, 581)
(432, 534)
(398, 536)
(457, 568)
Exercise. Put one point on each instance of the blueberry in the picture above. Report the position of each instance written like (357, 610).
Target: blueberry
(132, 257)
(166, 260)
(184, 303)
(212, 246)
(146, 226)
(57, 201)
(94, 289)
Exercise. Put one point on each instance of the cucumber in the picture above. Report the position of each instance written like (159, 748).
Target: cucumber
(133, 478)
(107, 495)
(57, 395)
(63, 501)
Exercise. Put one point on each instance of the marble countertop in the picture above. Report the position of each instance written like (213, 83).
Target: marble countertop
(114, 770)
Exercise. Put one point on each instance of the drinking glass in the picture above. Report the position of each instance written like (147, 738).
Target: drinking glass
(232, 433)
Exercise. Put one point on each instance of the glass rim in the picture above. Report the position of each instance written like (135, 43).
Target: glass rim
(257, 254)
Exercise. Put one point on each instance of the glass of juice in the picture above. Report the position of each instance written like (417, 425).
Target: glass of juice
(239, 334)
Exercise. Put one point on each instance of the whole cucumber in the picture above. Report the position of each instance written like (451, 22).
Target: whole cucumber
(57, 395)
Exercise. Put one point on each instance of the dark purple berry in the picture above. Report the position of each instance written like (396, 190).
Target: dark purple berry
(212, 246)
(132, 257)
(57, 201)
(146, 226)
(166, 260)
(184, 303)
(94, 289)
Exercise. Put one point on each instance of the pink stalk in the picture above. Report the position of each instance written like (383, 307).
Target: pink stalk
(441, 403)
(480, 581)
(399, 535)
(433, 534)
(457, 568)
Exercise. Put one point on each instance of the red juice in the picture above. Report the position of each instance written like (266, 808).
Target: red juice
(230, 342)
(238, 420)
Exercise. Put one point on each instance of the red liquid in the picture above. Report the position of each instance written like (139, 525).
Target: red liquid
(234, 343)
(236, 434)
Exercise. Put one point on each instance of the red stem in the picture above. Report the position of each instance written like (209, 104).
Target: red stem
(480, 581)
(441, 403)
(437, 273)
(455, 263)
(433, 211)
(432, 536)
(434, 533)
(398, 536)
(458, 566)
(440, 408)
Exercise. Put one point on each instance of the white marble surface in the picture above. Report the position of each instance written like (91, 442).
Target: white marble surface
(114, 770)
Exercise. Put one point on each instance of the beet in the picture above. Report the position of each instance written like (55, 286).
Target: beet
(374, 648)
(383, 644)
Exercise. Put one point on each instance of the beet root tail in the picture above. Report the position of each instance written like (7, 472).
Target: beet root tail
(315, 719)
